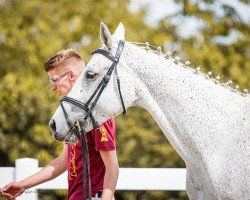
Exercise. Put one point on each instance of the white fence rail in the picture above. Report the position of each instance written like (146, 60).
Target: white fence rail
(129, 178)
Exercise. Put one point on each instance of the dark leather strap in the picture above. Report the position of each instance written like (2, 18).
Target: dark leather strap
(69, 124)
(120, 93)
(85, 168)
(106, 78)
(106, 54)
(80, 105)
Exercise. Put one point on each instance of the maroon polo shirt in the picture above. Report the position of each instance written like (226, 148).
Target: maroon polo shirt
(103, 139)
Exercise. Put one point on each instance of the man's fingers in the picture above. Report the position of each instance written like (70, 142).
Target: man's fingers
(5, 188)
(7, 195)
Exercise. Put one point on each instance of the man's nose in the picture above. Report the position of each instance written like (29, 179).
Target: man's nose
(52, 125)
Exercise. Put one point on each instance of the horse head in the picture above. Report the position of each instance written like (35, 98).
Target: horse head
(109, 102)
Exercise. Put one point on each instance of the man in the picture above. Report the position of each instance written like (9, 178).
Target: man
(64, 68)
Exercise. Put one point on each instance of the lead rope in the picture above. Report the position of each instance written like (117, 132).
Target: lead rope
(87, 194)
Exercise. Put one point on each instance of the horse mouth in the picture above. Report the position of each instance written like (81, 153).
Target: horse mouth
(70, 137)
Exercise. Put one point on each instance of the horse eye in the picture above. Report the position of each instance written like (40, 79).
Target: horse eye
(90, 74)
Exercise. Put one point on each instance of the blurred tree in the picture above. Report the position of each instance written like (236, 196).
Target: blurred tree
(222, 43)
(31, 31)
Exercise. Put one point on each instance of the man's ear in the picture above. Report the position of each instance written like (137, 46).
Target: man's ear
(72, 75)
(105, 36)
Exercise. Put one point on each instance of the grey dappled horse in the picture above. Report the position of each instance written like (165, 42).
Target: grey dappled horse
(207, 122)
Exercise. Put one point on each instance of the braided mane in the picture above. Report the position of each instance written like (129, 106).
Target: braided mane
(187, 64)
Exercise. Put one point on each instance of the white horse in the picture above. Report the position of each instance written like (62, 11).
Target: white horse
(208, 123)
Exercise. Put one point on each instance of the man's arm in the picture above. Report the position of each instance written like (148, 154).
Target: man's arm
(109, 158)
(49, 172)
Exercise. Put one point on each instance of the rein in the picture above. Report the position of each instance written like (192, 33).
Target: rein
(88, 107)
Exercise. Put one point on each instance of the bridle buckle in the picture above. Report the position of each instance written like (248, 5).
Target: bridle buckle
(78, 126)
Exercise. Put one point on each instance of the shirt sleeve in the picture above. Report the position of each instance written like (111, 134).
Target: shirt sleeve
(105, 136)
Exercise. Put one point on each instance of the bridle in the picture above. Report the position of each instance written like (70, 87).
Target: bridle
(88, 107)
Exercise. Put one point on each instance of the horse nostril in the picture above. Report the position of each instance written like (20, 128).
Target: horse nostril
(52, 125)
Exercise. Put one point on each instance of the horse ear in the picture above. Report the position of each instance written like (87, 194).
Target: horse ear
(119, 32)
(105, 36)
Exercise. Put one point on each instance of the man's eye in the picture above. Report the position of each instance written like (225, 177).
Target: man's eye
(90, 75)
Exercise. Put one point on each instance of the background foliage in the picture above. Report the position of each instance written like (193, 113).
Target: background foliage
(31, 31)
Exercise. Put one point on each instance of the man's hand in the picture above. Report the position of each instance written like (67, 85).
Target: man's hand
(49, 172)
(12, 190)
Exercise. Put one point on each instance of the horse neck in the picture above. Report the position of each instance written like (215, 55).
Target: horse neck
(178, 99)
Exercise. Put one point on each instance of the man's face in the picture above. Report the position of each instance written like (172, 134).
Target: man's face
(62, 80)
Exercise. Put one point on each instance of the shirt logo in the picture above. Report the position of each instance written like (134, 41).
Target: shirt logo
(103, 131)
(72, 168)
